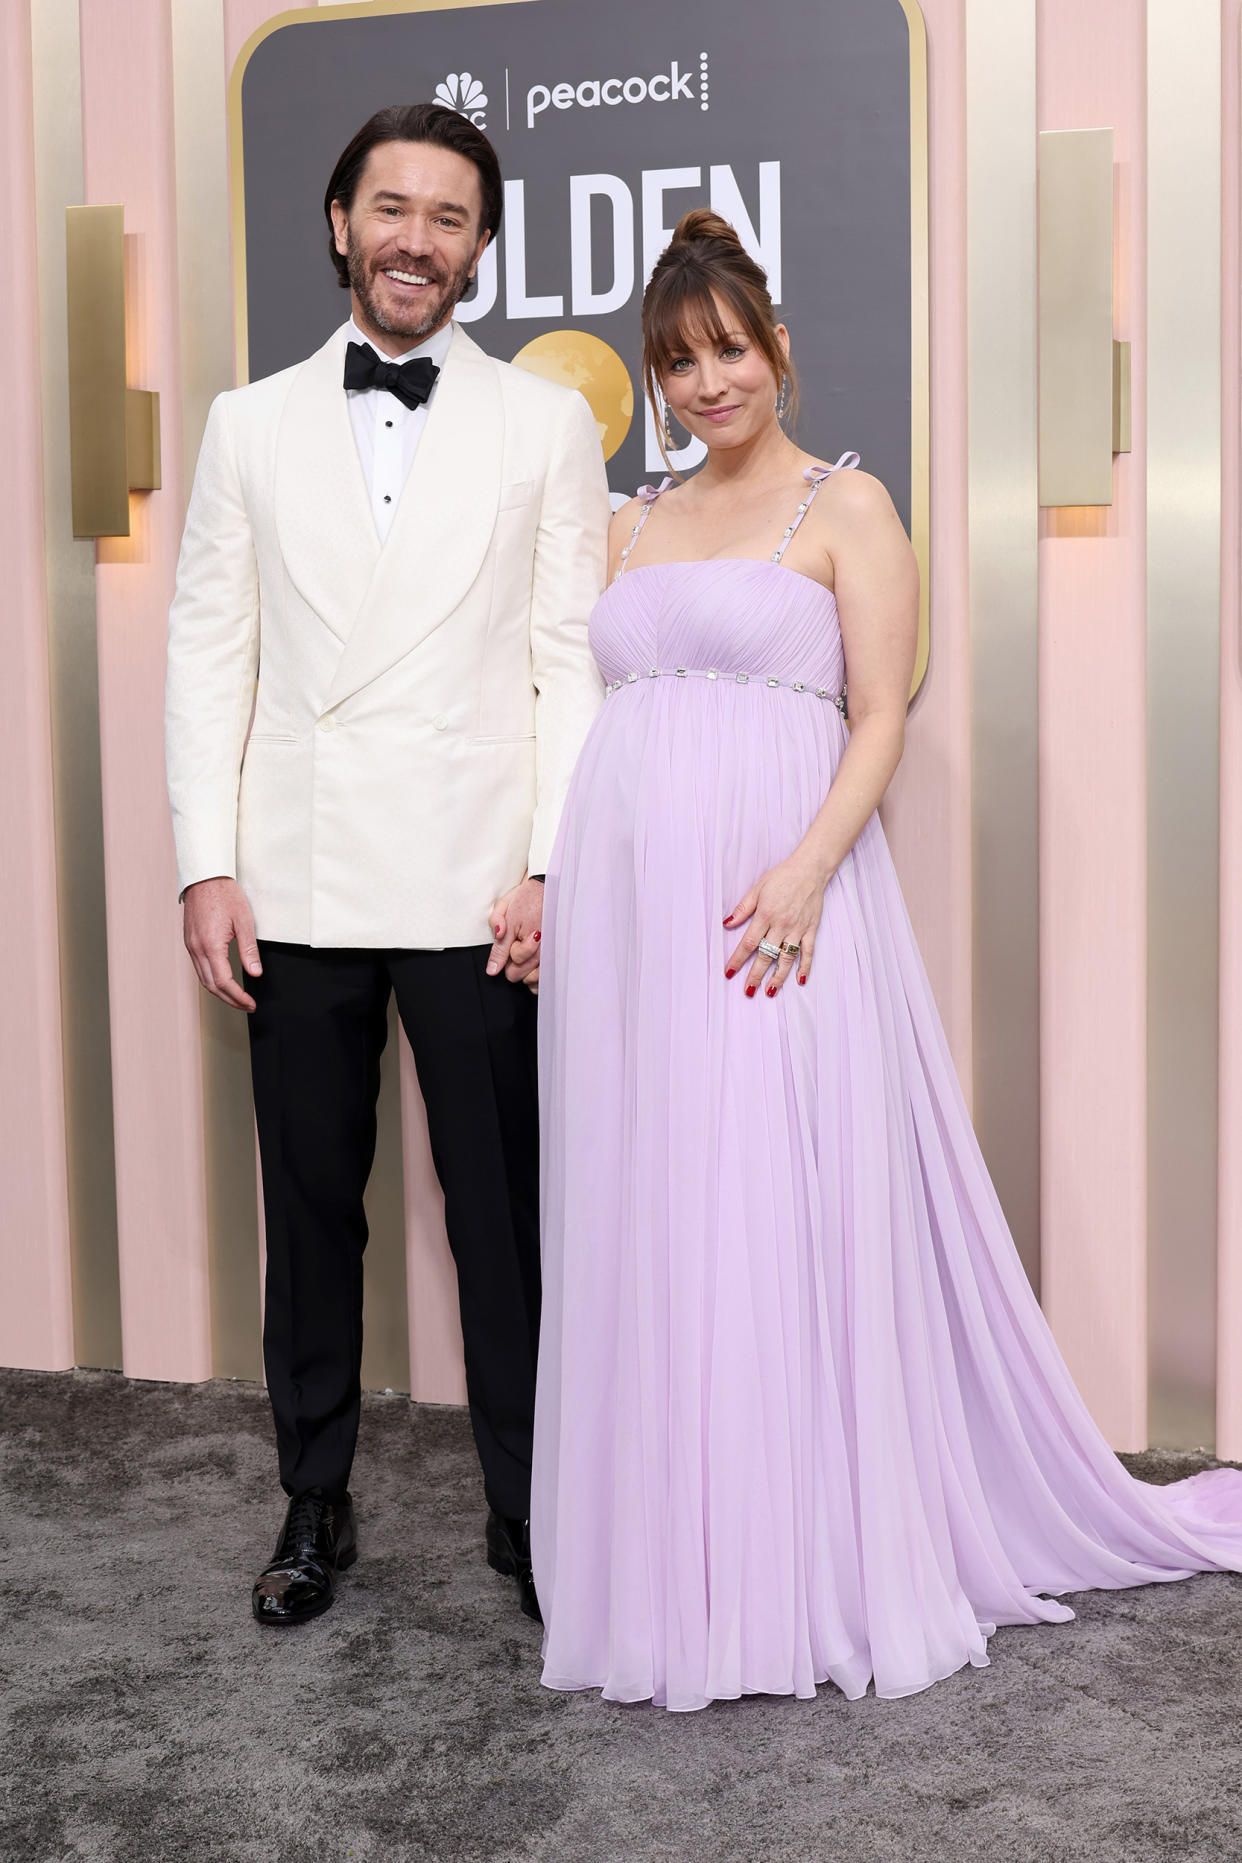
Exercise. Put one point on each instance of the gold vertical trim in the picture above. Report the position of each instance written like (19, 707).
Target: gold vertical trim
(205, 312)
(1183, 670)
(1004, 566)
(1229, 1239)
(231, 1191)
(920, 335)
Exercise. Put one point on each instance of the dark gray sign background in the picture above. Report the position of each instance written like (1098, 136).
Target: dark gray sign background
(822, 86)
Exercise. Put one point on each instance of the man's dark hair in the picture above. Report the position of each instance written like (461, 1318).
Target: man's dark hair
(424, 122)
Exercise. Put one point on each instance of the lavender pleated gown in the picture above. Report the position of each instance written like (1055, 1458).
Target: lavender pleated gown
(799, 1416)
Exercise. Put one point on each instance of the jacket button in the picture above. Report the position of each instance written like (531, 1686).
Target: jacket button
(440, 722)
(327, 723)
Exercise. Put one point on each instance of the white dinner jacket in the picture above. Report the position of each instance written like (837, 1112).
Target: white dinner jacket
(419, 704)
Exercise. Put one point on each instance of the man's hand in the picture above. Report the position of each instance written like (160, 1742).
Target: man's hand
(215, 913)
(516, 921)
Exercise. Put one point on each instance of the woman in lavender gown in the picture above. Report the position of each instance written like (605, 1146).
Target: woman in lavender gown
(799, 1416)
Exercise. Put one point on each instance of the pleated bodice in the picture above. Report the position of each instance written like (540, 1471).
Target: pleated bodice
(731, 616)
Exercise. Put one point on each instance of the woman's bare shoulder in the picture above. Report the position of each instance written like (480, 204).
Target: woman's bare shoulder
(852, 483)
(854, 499)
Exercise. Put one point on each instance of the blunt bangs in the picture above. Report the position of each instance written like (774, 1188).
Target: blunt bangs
(682, 320)
(685, 315)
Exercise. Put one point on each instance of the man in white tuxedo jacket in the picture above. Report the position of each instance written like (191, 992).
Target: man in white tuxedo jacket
(378, 684)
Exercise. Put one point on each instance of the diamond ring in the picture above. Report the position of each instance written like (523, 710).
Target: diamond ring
(768, 948)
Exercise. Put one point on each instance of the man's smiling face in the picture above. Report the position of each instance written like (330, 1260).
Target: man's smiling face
(411, 239)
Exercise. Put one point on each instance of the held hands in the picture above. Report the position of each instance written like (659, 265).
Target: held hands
(784, 908)
(516, 920)
(215, 913)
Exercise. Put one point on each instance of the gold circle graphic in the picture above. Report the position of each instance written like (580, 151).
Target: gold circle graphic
(577, 360)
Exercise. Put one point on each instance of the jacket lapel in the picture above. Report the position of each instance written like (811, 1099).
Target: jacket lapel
(443, 522)
(323, 515)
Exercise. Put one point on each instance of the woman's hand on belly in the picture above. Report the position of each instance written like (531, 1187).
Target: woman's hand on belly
(783, 908)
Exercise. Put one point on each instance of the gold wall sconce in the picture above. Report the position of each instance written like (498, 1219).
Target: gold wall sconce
(1084, 372)
(114, 430)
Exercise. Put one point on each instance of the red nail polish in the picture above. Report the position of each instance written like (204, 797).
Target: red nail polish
(771, 989)
(729, 920)
(801, 979)
(750, 989)
(730, 973)
(538, 936)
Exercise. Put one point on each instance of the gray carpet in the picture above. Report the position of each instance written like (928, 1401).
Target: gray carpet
(147, 1720)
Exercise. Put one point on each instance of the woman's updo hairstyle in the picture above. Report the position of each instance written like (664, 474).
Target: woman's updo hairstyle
(705, 261)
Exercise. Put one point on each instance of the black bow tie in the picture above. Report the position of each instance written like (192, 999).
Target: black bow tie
(411, 382)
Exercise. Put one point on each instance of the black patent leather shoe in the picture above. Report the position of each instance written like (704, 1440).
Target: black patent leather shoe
(318, 1541)
(508, 1552)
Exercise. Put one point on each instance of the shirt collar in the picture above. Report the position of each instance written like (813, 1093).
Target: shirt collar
(435, 348)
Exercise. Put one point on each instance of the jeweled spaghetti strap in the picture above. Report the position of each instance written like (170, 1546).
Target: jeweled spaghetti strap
(814, 476)
(647, 495)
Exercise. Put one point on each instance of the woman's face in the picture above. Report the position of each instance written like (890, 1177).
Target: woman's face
(724, 392)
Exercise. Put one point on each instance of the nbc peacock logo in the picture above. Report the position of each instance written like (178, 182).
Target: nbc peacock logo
(463, 93)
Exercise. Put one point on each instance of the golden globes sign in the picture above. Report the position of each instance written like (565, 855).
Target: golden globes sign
(803, 122)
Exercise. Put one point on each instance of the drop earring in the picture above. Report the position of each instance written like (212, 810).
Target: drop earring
(669, 442)
(782, 400)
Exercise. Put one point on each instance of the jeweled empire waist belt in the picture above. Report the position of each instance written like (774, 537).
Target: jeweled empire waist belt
(737, 679)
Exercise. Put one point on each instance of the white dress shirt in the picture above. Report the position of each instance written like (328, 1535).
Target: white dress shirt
(386, 432)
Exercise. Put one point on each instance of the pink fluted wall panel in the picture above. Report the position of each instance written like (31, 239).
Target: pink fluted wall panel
(129, 156)
(1093, 905)
(36, 1310)
(927, 814)
(1229, 1292)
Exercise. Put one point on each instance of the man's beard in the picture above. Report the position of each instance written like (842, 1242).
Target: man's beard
(420, 320)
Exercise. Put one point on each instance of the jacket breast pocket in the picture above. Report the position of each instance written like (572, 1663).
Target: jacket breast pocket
(517, 493)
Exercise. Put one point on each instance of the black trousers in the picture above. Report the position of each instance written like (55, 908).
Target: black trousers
(316, 1038)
